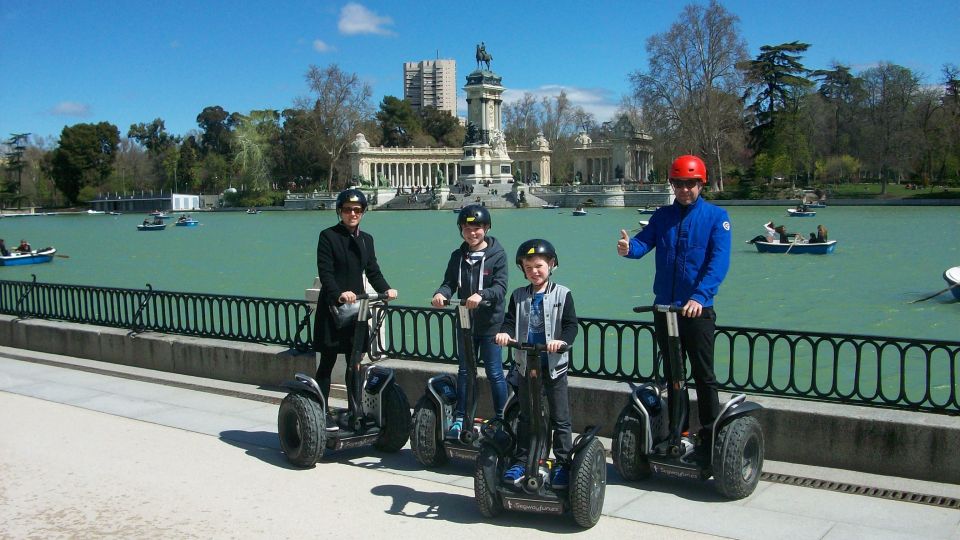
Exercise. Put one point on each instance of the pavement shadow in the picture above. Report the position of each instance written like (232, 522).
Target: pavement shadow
(684, 488)
(263, 445)
(402, 461)
(456, 508)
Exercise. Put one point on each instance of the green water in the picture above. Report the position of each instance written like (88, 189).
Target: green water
(885, 257)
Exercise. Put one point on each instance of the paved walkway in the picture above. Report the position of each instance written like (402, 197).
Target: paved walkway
(92, 449)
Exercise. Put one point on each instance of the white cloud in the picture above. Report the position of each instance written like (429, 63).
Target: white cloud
(71, 108)
(598, 101)
(321, 46)
(357, 19)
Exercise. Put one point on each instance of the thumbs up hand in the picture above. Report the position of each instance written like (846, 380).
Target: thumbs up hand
(623, 244)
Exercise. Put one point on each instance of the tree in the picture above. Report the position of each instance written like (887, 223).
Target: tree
(520, 120)
(254, 140)
(85, 157)
(14, 163)
(334, 112)
(844, 93)
(187, 166)
(951, 117)
(777, 80)
(161, 147)
(152, 136)
(556, 117)
(217, 127)
(443, 127)
(690, 79)
(398, 122)
(890, 92)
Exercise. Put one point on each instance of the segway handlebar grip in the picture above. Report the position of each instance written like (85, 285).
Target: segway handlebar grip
(539, 347)
(661, 308)
(372, 296)
(460, 302)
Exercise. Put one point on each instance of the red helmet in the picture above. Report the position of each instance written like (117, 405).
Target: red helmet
(689, 167)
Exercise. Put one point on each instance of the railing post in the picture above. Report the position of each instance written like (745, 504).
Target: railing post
(29, 289)
(137, 326)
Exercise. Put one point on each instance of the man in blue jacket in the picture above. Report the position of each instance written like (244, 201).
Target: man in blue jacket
(692, 239)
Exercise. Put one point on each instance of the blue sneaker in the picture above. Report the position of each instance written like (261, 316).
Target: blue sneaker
(560, 478)
(455, 429)
(514, 474)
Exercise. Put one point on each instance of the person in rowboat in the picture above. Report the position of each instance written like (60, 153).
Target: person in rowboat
(24, 247)
(3, 249)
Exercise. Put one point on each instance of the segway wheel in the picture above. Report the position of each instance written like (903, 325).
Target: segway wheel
(396, 423)
(301, 426)
(485, 478)
(738, 457)
(425, 437)
(628, 455)
(588, 484)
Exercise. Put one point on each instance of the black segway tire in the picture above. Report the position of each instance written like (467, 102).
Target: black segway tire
(301, 425)
(738, 457)
(486, 475)
(628, 456)
(425, 438)
(588, 484)
(396, 423)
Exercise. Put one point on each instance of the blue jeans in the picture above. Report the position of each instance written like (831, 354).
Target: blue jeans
(488, 352)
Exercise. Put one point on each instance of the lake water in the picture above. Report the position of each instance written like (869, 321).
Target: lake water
(885, 257)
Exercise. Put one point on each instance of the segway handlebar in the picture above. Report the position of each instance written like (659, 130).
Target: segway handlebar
(539, 347)
(660, 308)
(461, 302)
(373, 296)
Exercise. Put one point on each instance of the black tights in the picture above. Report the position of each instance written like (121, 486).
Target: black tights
(328, 358)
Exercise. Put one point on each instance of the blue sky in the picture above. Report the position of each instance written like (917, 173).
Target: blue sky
(72, 61)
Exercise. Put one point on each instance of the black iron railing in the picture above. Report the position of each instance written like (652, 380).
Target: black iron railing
(238, 318)
(899, 373)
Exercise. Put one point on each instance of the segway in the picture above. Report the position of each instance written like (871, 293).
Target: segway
(588, 468)
(433, 415)
(648, 436)
(378, 411)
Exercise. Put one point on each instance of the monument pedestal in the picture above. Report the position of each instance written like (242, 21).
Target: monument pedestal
(482, 164)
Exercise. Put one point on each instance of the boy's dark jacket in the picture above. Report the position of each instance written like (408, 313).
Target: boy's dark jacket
(462, 278)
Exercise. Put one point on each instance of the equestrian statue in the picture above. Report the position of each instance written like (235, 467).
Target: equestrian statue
(483, 57)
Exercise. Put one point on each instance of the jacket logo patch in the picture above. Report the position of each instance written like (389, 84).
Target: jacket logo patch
(726, 225)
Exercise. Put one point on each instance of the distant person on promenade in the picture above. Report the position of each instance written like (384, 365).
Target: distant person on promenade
(3, 249)
(346, 259)
(692, 240)
(477, 272)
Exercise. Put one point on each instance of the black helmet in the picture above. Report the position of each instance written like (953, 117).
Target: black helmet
(474, 214)
(537, 246)
(351, 195)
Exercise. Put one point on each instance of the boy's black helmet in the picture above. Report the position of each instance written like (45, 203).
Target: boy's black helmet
(352, 195)
(537, 246)
(474, 214)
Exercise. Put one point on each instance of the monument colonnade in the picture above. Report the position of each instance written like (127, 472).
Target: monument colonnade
(407, 167)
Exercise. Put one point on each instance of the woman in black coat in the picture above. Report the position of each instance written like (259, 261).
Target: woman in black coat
(344, 255)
